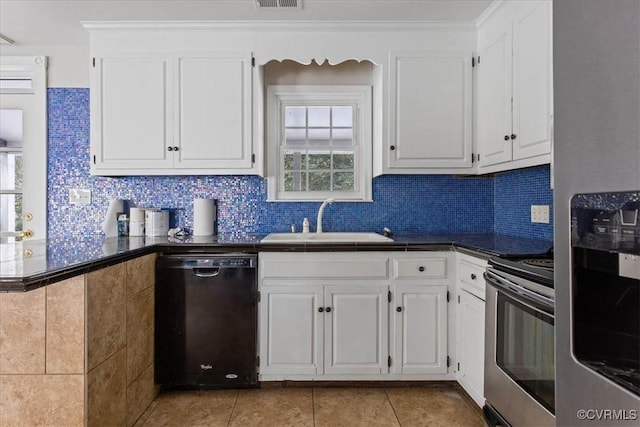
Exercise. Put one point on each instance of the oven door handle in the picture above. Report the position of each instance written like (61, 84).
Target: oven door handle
(520, 294)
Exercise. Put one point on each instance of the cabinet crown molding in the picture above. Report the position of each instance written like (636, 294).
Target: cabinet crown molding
(307, 26)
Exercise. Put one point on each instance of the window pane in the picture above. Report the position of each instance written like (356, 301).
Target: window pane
(343, 136)
(319, 116)
(10, 128)
(343, 161)
(295, 136)
(319, 161)
(343, 181)
(295, 160)
(10, 212)
(10, 170)
(343, 116)
(319, 181)
(295, 181)
(295, 116)
(319, 136)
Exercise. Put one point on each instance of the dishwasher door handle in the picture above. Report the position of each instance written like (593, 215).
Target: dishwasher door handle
(206, 272)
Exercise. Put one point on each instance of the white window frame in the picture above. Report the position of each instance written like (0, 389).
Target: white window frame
(281, 96)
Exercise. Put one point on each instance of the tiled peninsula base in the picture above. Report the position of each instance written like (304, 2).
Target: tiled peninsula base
(80, 351)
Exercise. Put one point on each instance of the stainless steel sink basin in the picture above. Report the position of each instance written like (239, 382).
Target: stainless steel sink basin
(327, 237)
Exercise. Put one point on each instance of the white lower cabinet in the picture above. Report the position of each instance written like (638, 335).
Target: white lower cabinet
(470, 326)
(420, 326)
(367, 324)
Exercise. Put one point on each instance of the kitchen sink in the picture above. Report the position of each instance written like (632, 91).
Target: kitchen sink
(327, 237)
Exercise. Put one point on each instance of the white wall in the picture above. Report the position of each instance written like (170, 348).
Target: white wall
(68, 66)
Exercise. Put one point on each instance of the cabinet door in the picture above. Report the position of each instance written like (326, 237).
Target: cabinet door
(356, 329)
(494, 99)
(213, 114)
(470, 321)
(532, 82)
(290, 330)
(131, 112)
(420, 329)
(430, 110)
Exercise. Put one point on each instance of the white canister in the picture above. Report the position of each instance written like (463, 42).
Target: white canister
(204, 217)
(136, 222)
(156, 223)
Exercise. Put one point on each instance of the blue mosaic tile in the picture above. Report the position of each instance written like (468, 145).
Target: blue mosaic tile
(515, 192)
(404, 203)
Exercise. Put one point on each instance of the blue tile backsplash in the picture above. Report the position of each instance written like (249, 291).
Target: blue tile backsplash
(404, 203)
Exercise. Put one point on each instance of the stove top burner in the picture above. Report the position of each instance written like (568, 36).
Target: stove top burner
(539, 262)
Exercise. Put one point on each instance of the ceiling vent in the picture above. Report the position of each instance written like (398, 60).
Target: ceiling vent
(279, 4)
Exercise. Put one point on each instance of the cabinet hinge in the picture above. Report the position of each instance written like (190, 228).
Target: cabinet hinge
(458, 366)
(448, 296)
(258, 361)
(389, 296)
(458, 299)
(389, 361)
(448, 361)
(258, 296)
(253, 61)
(253, 158)
(94, 159)
(94, 62)
(478, 157)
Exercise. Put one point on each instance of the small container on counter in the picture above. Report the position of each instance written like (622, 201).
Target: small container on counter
(123, 225)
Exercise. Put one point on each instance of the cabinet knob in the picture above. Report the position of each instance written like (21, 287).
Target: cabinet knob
(320, 309)
(393, 147)
(421, 268)
(169, 148)
(473, 276)
(175, 148)
(506, 137)
(398, 309)
(328, 309)
(513, 136)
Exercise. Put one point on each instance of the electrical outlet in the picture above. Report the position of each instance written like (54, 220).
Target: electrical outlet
(79, 196)
(540, 213)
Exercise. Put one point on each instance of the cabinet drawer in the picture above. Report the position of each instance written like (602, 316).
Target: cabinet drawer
(470, 275)
(349, 266)
(411, 268)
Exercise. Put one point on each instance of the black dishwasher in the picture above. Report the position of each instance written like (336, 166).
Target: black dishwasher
(206, 321)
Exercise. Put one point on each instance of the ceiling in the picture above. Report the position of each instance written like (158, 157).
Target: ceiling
(57, 22)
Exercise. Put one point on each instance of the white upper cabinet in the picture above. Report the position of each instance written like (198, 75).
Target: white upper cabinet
(514, 104)
(213, 111)
(430, 110)
(172, 113)
(131, 122)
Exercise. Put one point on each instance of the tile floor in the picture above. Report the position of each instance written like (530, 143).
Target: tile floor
(317, 406)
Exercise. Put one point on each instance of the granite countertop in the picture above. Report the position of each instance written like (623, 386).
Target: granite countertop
(34, 263)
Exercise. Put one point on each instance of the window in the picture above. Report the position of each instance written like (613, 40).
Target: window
(319, 142)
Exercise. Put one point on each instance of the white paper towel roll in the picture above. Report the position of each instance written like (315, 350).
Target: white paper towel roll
(204, 217)
(136, 225)
(110, 223)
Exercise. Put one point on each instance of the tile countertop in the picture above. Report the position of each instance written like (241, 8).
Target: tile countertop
(34, 263)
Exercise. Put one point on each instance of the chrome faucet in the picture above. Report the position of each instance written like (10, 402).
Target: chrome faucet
(320, 212)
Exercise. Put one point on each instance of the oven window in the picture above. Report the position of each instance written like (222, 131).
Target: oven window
(525, 349)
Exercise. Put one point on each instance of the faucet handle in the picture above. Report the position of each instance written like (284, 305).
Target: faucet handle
(293, 228)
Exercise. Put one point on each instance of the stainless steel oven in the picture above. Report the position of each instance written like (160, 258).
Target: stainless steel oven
(519, 343)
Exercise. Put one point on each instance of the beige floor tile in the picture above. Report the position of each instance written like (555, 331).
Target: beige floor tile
(273, 407)
(192, 408)
(352, 407)
(431, 407)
